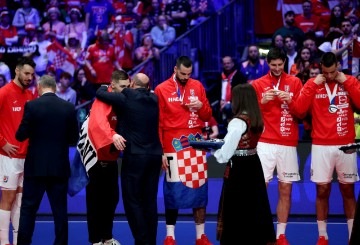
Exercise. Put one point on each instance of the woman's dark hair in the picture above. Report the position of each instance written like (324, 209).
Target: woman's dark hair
(244, 101)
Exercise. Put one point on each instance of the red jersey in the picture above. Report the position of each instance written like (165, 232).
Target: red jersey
(280, 122)
(12, 102)
(330, 128)
(174, 115)
(102, 62)
(307, 24)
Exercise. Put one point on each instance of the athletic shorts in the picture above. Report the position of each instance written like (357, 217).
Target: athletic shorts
(11, 172)
(283, 158)
(326, 158)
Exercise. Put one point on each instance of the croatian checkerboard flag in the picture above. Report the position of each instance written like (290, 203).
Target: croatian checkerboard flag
(61, 58)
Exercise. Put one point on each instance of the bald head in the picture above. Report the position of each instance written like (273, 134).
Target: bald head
(141, 80)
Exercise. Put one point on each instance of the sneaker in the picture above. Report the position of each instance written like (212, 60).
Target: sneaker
(203, 240)
(282, 240)
(169, 240)
(112, 241)
(322, 241)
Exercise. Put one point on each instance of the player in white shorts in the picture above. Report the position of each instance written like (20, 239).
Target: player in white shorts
(283, 158)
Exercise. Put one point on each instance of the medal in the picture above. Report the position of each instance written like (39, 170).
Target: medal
(333, 108)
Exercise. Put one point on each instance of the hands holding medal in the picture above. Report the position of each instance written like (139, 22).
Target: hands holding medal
(271, 94)
(194, 105)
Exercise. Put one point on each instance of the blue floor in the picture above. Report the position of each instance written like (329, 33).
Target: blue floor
(298, 233)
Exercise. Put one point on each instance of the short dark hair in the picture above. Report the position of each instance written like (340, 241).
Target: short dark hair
(290, 12)
(328, 59)
(276, 53)
(25, 60)
(185, 61)
(119, 75)
(65, 74)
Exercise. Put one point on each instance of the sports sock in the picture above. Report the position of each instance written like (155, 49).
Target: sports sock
(322, 228)
(280, 229)
(200, 229)
(170, 230)
(4, 226)
(350, 223)
(15, 216)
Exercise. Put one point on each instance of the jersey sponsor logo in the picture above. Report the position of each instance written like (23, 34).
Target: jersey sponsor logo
(5, 179)
(174, 99)
(321, 96)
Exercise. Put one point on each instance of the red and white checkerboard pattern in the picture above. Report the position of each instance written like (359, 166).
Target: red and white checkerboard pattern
(59, 59)
(192, 167)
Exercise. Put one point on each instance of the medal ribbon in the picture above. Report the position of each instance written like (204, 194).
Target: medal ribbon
(276, 87)
(331, 95)
(181, 97)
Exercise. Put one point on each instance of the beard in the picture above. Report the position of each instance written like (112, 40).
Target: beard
(24, 84)
(181, 81)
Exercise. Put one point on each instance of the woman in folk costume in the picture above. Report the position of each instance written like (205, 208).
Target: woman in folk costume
(244, 184)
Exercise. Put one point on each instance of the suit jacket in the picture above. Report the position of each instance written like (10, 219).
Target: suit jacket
(139, 112)
(51, 126)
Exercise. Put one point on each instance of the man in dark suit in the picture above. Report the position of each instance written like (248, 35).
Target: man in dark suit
(138, 113)
(47, 166)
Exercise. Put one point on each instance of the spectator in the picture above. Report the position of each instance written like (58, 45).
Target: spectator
(162, 34)
(98, 14)
(74, 47)
(41, 56)
(307, 21)
(63, 88)
(337, 15)
(54, 28)
(2, 80)
(290, 28)
(343, 46)
(142, 29)
(85, 90)
(101, 60)
(291, 52)
(321, 8)
(178, 11)
(310, 43)
(301, 66)
(277, 41)
(211, 129)
(26, 14)
(76, 26)
(200, 10)
(5, 70)
(124, 43)
(30, 35)
(254, 67)
(7, 30)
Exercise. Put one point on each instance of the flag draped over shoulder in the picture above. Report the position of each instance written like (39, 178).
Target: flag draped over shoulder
(61, 58)
(96, 143)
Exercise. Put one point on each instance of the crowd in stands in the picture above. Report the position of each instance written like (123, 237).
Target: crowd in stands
(81, 42)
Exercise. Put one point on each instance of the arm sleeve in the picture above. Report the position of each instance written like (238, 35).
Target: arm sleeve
(23, 131)
(110, 98)
(236, 128)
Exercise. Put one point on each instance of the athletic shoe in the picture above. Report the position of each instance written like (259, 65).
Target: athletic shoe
(169, 240)
(282, 240)
(203, 240)
(322, 241)
(112, 241)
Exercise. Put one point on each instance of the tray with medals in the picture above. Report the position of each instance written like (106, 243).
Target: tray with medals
(350, 147)
(211, 144)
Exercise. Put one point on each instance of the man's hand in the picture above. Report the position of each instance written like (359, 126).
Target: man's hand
(340, 77)
(284, 96)
(194, 105)
(10, 149)
(320, 79)
(165, 163)
(119, 142)
(271, 94)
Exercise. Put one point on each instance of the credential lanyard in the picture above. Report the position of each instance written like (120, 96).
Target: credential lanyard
(331, 95)
(181, 97)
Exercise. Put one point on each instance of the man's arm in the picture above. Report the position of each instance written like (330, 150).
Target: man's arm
(115, 99)
(23, 131)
